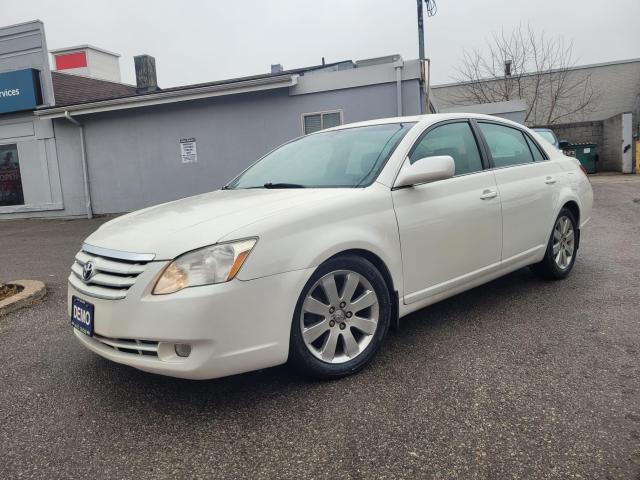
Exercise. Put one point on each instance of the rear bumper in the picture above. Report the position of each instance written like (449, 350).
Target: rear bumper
(232, 327)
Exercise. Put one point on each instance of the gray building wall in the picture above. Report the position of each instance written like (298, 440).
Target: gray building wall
(617, 90)
(134, 155)
(514, 110)
(24, 46)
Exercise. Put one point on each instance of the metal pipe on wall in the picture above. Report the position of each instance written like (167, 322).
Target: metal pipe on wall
(399, 64)
(85, 169)
(428, 86)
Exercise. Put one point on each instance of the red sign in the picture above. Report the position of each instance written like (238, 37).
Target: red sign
(71, 60)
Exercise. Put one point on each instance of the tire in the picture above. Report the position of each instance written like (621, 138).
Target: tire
(328, 350)
(564, 238)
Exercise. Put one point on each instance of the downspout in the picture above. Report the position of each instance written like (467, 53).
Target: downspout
(398, 64)
(428, 85)
(85, 169)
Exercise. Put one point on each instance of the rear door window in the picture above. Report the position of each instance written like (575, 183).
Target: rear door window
(537, 154)
(507, 145)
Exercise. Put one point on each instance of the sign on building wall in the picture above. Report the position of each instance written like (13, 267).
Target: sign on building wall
(188, 151)
(20, 90)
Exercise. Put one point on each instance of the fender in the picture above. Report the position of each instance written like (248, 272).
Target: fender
(318, 232)
(566, 195)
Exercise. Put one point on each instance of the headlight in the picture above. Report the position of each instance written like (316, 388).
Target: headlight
(215, 264)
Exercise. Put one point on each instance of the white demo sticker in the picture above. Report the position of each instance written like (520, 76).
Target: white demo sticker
(188, 150)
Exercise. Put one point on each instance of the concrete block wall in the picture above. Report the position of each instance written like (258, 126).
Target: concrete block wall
(578, 132)
(581, 132)
(606, 134)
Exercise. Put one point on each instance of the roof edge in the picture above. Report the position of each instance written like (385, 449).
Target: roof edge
(21, 24)
(571, 69)
(82, 47)
(171, 96)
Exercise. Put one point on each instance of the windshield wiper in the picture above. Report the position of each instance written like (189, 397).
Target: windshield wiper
(282, 185)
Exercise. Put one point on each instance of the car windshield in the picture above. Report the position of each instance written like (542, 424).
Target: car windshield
(547, 135)
(351, 157)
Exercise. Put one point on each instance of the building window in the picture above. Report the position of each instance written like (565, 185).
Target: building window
(314, 122)
(10, 182)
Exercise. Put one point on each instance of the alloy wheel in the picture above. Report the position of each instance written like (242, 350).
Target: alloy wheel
(339, 316)
(563, 242)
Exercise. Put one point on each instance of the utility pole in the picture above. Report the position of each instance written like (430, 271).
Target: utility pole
(423, 97)
(507, 78)
(420, 30)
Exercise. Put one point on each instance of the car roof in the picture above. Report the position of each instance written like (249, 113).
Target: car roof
(427, 119)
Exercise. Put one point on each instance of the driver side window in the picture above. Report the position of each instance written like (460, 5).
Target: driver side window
(455, 140)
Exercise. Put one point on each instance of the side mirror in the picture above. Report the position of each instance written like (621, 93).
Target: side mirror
(562, 144)
(426, 170)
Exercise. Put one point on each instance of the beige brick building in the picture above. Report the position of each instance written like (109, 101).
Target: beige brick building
(616, 86)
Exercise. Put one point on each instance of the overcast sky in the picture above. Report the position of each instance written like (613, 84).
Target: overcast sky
(198, 41)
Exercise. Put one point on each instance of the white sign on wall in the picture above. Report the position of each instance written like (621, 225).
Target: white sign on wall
(188, 150)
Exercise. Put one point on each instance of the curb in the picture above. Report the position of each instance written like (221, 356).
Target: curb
(32, 290)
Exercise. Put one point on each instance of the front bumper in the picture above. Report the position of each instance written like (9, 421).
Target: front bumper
(232, 327)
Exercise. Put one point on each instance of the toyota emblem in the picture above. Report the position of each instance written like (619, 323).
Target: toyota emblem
(87, 271)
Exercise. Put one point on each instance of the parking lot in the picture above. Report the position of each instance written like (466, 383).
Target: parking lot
(518, 379)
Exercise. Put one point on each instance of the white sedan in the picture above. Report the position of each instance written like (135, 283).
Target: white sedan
(310, 254)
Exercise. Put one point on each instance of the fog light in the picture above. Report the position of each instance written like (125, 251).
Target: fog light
(183, 349)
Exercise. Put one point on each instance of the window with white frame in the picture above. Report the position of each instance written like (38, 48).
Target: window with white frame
(313, 122)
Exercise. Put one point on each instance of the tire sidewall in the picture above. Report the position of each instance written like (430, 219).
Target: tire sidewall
(299, 355)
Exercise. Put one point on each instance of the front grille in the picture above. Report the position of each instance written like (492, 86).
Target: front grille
(125, 345)
(112, 276)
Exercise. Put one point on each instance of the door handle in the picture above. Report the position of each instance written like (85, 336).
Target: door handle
(487, 194)
(550, 181)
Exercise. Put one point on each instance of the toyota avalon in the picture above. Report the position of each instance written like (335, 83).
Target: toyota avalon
(314, 251)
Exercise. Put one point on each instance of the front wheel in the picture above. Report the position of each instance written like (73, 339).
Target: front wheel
(561, 250)
(341, 318)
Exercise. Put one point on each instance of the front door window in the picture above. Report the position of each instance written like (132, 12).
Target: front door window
(455, 140)
(10, 180)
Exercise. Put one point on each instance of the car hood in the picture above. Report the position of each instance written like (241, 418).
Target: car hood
(170, 229)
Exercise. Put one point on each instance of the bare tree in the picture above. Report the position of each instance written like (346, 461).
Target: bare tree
(525, 65)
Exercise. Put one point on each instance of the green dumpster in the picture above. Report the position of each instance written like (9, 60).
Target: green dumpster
(587, 154)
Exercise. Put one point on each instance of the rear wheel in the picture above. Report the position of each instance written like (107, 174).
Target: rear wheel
(561, 249)
(341, 318)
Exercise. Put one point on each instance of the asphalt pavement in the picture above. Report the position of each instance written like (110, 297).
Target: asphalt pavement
(520, 378)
